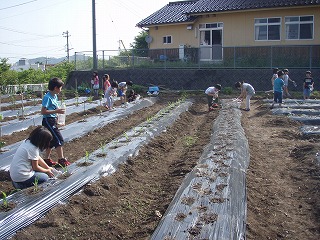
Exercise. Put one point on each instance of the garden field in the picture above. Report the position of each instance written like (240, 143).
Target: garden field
(133, 194)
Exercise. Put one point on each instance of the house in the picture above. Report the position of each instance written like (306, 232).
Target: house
(215, 27)
(24, 64)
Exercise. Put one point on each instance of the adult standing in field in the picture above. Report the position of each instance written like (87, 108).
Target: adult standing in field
(308, 85)
(50, 108)
(278, 89)
(95, 83)
(213, 96)
(247, 91)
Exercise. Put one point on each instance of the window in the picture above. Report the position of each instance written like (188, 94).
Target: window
(167, 39)
(299, 27)
(267, 28)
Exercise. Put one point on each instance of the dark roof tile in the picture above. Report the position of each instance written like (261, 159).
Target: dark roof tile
(185, 11)
(205, 6)
(174, 12)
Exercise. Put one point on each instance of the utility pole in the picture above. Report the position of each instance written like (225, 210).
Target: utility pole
(66, 34)
(94, 40)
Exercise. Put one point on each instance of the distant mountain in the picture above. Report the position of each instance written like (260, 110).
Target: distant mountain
(46, 60)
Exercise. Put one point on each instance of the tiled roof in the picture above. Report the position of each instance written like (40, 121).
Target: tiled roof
(205, 6)
(184, 11)
(174, 12)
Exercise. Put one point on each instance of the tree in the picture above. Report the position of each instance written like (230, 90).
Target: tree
(4, 66)
(140, 46)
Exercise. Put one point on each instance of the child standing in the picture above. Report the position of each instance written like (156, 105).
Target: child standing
(110, 92)
(212, 96)
(307, 85)
(286, 80)
(95, 83)
(247, 91)
(122, 89)
(274, 75)
(278, 89)
(27, 166)
(49, 110)
(106, 83)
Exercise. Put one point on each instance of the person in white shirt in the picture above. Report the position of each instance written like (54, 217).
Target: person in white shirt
(27, 167)
(212, 96)
(109, 94)
(247, 91)
(122, 90)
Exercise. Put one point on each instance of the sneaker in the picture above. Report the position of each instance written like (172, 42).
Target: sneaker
(64, 162)
(50, 162)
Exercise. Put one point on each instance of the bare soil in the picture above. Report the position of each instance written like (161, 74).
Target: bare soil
(283, 180)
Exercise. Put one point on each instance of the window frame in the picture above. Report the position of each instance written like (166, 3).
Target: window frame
(299, 23)
(267, 25)
(165, 39)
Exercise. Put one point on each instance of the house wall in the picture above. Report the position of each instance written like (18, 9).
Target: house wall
(238, 29)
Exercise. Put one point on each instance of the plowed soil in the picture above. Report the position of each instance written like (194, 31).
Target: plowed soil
(282, 180)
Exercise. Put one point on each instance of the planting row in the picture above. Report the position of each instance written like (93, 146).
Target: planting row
(30, 207)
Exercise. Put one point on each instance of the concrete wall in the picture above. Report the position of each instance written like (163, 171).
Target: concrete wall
(193, 79)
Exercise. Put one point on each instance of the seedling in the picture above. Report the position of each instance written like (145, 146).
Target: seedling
(4, 200)
(102, 147)
(126, 136)
(87, 157)
(2, 144)
(64, 169)
(90, 99)
(36, 184)
(77, 98)
(190, 140)
(149, 119)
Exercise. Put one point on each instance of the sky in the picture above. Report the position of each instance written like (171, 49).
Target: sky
(38, 28)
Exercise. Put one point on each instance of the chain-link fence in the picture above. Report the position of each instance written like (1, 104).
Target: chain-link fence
(298, 56)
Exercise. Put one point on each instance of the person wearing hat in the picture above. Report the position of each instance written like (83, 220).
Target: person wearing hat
(212, 96)
(286, 80)
(307, 85)
(247, 91)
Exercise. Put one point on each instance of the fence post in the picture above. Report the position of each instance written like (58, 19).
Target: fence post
(310, 57)
(165, 59)
(234, 57)
(271, 56)
(102, 59)
(75, 60)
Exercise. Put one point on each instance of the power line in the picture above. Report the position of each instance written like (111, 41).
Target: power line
(18, 5)
(35, 34)
(17, 45)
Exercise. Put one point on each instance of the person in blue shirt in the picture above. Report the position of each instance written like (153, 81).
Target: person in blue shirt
(49, 110)
(278, 89)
